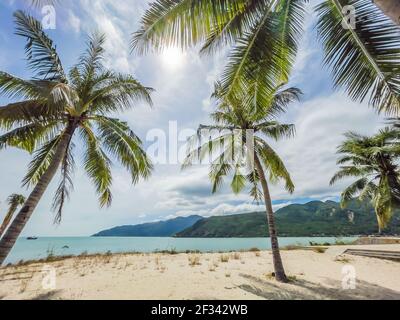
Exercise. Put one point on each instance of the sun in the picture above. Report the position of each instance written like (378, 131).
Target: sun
(173, 57)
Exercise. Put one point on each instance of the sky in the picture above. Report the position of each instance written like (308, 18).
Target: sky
(183, 83)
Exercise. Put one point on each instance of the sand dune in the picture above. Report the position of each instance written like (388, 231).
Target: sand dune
(236, 276)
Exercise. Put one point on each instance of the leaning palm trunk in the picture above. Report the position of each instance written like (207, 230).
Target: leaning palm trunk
(7, 219)
(390, 8)
(13, 232)
(276, 256)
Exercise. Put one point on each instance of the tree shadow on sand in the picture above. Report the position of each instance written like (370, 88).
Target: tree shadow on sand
(306, 290)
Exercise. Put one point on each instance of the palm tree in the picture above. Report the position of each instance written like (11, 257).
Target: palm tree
(14, 201)
(239, 139)
(374, 162)
(364, 58)
(54, 108)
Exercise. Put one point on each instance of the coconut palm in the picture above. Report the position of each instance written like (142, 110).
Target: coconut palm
(237, 146)
(14, 201)
(374, 162)
(364, 57)
(55, 109)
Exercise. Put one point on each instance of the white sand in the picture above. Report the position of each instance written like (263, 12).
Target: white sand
(161, 276)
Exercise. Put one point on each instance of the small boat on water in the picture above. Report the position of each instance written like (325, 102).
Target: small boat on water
(32, 238)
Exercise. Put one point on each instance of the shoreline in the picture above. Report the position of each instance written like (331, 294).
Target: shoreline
(67, 246)
(85, 255)
(230, 276)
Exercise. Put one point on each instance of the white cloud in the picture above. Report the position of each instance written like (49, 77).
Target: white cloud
(116, 20)
(307, 49)
(227, 209)
(74, 22)
(311, 155)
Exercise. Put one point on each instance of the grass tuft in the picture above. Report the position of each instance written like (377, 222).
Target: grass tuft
(194, 260)
(224, 258)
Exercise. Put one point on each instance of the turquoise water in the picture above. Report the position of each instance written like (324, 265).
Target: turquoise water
(40, 248)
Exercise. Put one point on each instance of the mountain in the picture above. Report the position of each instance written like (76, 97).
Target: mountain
(155, 229)
(315, 218)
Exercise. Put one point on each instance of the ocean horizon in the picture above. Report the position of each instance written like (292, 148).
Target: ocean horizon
(42, 247)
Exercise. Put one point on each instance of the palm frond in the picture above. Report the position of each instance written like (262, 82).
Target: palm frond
(17, 88)
(97, 166)
(351, 191)
(91, 62)
(125, 146)
(290, 15)
(182, 23)
(276, 131)
(66, 185)
(40, 162)
(262, 58)
(253, 59)
(28, 137)
(41, 53)
(238, 180)
(218, 171)
(117, 92)
(274, 164)
(228, 30)
(254, 179)
(24, 113)
(280, 102)
(364, 60)
(198, 148)
(368, 193)
(350, 171)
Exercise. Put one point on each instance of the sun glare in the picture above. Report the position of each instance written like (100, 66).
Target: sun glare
(173, 57)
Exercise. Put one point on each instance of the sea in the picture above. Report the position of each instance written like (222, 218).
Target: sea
(42, 247)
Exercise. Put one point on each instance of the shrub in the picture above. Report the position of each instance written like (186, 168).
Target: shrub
(194, 260)
(236, 256)
(319, 249)
(224, 258)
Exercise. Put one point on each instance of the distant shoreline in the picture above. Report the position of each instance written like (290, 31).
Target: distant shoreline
(61, 246)
(243, 237)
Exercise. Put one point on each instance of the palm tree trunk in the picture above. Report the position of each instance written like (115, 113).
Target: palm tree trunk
(7, 219)
(13, 232)
(390, 8)
(276, 256)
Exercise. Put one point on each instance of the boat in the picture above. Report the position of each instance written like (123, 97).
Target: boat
(32, 238)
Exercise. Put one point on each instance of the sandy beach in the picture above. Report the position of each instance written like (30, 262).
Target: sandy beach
(232, 276)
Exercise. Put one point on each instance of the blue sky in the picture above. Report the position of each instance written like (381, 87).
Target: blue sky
(183, 83)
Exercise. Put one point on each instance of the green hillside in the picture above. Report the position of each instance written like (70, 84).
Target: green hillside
(153, 229)
(315, 218)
